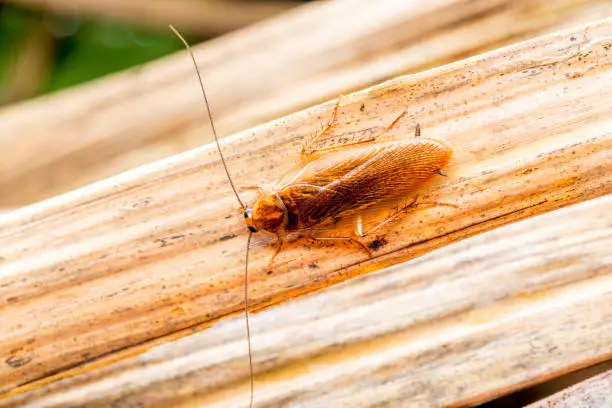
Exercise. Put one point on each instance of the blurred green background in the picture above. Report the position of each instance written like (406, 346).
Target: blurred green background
(62, 51)
(43, 48)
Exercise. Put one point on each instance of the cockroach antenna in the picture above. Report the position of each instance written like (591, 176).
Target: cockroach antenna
(212, 123)
(246, 263)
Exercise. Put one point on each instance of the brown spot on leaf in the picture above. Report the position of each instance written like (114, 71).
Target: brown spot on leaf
(227, 237)
(165, 241)
(17, 361)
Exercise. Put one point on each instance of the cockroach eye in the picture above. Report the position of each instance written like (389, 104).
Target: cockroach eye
(248, 213)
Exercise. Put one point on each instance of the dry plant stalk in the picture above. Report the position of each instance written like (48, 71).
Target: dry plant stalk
(155, 111)
(159, 249)
(461, 325)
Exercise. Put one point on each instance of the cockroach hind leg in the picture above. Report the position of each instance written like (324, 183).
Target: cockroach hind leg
(394, 216)
(307, 150)
(393, 124)
(319, 152)
(354, 240)
(363, 246)
(416, 203)
(309, 153)
(435, 204)
(417, 131)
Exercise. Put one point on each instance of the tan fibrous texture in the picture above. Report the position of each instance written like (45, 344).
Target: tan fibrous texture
(301, 58)
(161, 248)
(459, 326)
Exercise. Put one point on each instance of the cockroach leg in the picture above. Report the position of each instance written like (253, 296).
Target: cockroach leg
(359, 226)
(278, 249)
(436, 204)
(350, 239)
(417, 131)
(319, 152)
(307, 149)
(442, 173)
(245, 188)
(394, 216)
(395, 122)
(401, 211)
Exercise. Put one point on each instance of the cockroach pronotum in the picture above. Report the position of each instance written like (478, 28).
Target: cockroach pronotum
(337, 182)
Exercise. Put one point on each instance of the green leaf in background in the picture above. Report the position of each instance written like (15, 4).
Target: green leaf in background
(100, 48)
(81, 50)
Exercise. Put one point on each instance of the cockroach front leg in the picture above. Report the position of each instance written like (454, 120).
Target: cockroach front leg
(279, 241)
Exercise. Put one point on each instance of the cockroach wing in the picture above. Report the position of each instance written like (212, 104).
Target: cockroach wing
(351, 180)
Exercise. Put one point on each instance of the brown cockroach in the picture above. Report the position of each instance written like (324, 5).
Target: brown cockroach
(343, 182)
(337, 182)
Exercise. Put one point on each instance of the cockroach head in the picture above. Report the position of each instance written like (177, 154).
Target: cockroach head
(248, 216)
(268, 213)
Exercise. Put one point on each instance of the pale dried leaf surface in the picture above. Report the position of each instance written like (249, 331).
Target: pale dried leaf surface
(160, 249)
(253, 75)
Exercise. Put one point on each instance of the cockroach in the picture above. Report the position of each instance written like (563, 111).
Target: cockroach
(337, 182)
